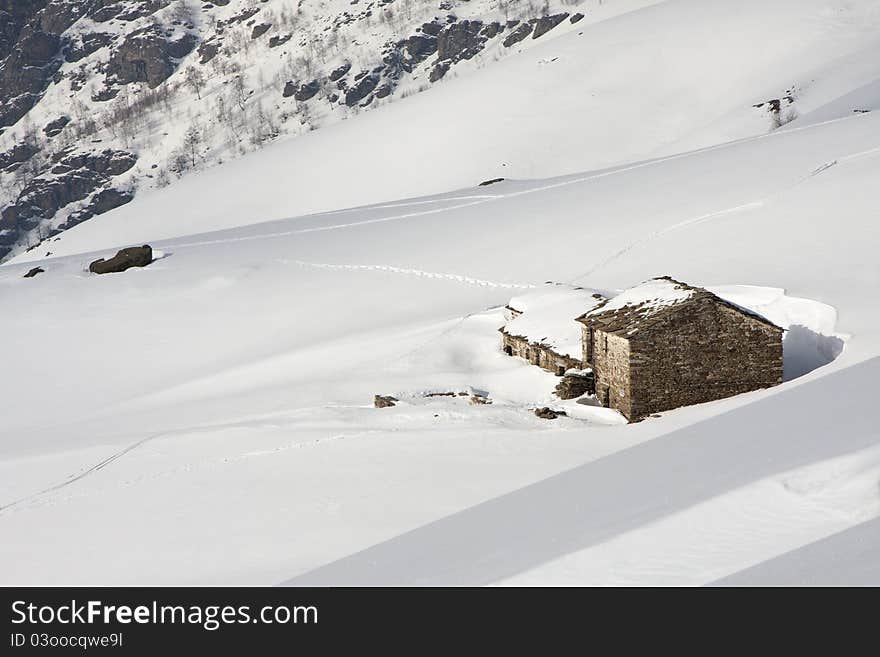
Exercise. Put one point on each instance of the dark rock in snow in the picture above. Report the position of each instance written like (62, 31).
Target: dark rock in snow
(55, 127)
(486, 183)
(33, 272)
(135, 256)
(208, 50)
(460, 40)
(576, 18)
(546, 413)
(517, 35)
(307, 90)
(340, 72)
(547, 23)
(146, 55)
(361, 90)
(491, 30)
(86, 44)
(260, 30)
(438, 71)
(276, 41)
(382, 401)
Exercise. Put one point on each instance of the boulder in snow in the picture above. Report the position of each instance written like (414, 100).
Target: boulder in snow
(135, 256)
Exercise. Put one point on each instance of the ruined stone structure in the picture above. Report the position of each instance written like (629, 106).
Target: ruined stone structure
(537, 354)
(666, 344)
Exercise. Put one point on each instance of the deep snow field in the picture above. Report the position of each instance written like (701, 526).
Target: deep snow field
(208, 419)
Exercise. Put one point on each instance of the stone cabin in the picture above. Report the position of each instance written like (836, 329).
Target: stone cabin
(665, 344)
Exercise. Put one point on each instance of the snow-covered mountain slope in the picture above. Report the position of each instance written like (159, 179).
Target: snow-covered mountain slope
(172, 86)
(209, 418)
(631, 80)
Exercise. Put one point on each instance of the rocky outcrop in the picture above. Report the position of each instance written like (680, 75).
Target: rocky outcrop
(520, 33)
(54, 128)
(276, 41)
(307, 90)
(363, 88)
(340, 72)
(72, 178)
(30, 50)
(33, 272)
(26, 72)
(208, 50)
(147, 55)
(83, 45)
(384, 401)
(135, 256)
(260, 30)
(125, 11)
(17, 155)
(547, 23)
(461, 40)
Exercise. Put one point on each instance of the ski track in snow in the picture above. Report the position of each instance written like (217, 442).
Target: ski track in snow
(458, 278)
(116, 456)
(72, 479)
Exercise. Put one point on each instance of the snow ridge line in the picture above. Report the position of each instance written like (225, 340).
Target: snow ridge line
(318, 229)
(668, 229)
(458, 278)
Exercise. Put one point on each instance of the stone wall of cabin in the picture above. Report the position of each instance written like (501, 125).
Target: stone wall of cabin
(611, 365)
(537, 354)
(708, 351)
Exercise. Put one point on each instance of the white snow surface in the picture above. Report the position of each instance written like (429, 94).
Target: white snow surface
(650, 297)
(549, 316)
(208, 419)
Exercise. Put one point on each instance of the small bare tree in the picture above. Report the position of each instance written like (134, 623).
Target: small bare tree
(192, 140)
(195, 80)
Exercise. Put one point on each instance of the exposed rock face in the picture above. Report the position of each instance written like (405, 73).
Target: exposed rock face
(30, 49)
(420, 46)
(576, 18)
(135, 256)
(307, 90)
(340, 72)
(517, 35)
(276, 41)
(54, 128)
(85, 44)
(21, 152)
(208, 50)
(547, 23)
(362, 89)
(460, 40)
(438, 71)
(33, 272)
(72, 178)
(486, 183)
(260, 30)
(384, 401)
(147, 55)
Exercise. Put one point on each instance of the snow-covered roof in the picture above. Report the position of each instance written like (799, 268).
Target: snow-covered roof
(639, 306)
(549, 317)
